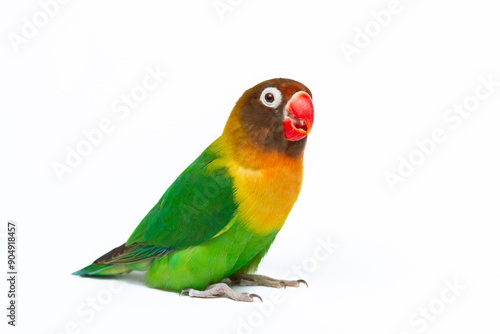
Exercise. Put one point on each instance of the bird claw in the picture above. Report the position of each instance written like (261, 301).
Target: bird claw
(254, 295)
(221, 290)
(302, 281)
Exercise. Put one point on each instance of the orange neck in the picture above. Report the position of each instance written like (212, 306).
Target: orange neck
(247, 154)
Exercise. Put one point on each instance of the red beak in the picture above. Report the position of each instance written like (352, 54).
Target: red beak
(299, 116)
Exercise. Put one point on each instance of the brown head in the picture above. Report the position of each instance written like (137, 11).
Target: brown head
(274, 116)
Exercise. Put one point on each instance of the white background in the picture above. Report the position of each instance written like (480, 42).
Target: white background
(396, 248)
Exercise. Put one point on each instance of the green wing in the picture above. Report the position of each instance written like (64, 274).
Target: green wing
(194, 208)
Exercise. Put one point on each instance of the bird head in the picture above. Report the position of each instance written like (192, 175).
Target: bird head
(276, 114)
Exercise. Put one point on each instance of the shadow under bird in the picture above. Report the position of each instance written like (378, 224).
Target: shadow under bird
(217, 220)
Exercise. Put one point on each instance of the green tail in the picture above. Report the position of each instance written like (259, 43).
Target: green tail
(123, 259)
(103, 270)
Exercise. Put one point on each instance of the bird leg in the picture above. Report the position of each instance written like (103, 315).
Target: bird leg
(261, 280)
(221, 290)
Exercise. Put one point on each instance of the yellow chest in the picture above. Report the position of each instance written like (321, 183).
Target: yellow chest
(265, 196)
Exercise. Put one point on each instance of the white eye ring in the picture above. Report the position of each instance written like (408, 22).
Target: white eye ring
(276, 97)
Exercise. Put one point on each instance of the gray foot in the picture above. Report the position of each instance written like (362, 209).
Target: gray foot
(261, 280)
(221, 290)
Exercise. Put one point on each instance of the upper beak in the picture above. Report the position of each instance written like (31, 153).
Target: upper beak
(299, 116)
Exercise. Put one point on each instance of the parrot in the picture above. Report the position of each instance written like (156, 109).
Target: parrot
(217, 220)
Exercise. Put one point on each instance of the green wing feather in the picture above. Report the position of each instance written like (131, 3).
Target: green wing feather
(197, 206)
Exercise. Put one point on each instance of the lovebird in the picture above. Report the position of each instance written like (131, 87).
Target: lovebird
(217, 220)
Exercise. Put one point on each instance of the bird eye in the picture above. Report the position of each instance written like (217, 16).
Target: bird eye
(271, 97)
